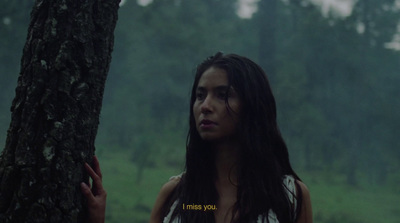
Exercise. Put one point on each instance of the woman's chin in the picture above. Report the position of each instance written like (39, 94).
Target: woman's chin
(209, 137)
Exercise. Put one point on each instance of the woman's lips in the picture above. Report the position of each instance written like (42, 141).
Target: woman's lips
(206, 124)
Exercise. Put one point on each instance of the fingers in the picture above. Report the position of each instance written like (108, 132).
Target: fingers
(96, 166)
(95, 195)
(97, 186)
(86, 191)
(91, 172)
(95, 174)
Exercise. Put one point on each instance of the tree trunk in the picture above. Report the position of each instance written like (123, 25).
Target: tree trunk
(55, 112)
(267, 19)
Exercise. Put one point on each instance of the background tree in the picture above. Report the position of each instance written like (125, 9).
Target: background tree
(267, 19)
(56, 110)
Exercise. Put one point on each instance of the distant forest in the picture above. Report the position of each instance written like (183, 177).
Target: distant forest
(335, 79)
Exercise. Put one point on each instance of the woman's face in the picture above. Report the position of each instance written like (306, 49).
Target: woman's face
(214, 120)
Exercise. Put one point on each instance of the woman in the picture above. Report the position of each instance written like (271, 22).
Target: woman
(237, 164)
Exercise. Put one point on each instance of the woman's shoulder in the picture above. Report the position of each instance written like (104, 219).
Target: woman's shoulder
(303, 188)
(299, 196)
(169, 186)
(305, 212)
(165, 191)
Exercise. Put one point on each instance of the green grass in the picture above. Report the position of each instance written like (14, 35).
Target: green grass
(333, 201)
(127, 199)
(337, 202)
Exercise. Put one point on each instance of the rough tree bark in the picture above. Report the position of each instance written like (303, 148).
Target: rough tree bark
(56, 110)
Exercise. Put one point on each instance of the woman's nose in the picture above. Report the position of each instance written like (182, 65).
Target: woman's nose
(206, 106)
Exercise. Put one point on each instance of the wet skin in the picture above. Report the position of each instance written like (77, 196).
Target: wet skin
(214, 120)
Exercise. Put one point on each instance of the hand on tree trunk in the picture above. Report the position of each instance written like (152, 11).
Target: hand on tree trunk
(96, 196)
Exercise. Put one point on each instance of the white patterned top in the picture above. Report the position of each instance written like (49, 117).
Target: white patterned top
(288, 182)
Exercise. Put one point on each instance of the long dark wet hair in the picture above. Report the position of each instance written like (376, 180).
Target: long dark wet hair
(263, 155)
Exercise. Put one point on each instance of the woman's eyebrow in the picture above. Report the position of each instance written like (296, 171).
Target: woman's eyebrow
(199, 88)
(217, 88)
(222, 88)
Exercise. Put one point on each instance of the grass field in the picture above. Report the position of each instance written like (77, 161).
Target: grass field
(334, 202)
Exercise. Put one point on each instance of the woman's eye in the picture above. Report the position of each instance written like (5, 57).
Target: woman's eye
(200, 95)
(225, 94)
(222, 95)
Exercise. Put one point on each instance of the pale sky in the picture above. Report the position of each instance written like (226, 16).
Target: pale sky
(246, 8)
(343, 8)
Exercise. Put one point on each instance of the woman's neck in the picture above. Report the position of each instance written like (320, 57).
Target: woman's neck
(226, 162)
